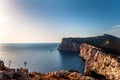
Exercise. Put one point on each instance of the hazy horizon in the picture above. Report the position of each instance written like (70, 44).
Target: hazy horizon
(41, 21)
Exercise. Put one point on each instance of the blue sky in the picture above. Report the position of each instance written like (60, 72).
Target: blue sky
(51, 20)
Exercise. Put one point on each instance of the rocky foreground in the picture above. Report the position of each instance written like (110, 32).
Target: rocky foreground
(23, 74)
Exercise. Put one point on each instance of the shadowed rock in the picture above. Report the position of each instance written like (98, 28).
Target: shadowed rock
(1, 65)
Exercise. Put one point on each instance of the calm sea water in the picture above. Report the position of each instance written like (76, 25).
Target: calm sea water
(39, 57)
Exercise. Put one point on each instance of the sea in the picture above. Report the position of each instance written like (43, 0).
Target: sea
(40, 57)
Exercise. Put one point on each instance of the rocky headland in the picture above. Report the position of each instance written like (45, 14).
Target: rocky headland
(108, 43)
(101, 55)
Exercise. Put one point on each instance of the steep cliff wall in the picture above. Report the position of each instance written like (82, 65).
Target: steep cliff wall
(98, 62)
(68, 44)
(106, 42)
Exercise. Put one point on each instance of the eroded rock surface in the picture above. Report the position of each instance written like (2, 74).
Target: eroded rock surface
(59, 75)
(101, 63)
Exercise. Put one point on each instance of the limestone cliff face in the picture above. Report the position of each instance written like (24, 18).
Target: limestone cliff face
(106, 42)
(99, 62)
(68, 44)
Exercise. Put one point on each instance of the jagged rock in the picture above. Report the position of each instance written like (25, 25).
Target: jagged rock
(1, 65)
(99, 62)
(105, 42)
(9, 73)
(22, 73)
(1, 75)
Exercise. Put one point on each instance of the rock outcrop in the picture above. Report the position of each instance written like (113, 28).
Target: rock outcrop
(105, 42)
(1, 65)
(59, 75)
(98, 62)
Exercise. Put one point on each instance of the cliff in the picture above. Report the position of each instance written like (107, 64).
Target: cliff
(105, 42)
(98, 62)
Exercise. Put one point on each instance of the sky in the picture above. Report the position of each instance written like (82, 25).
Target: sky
(29, 21)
